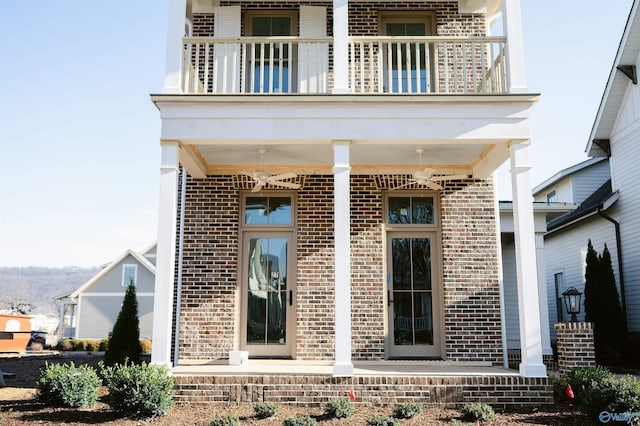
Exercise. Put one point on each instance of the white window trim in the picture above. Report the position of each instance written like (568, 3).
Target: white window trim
(407, 226)
(135, 274)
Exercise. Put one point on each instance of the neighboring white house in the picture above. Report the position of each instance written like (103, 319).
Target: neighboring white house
(607, 192)
(587, 184)
(90, 312)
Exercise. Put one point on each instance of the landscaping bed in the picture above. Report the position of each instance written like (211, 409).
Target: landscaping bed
(19, 406)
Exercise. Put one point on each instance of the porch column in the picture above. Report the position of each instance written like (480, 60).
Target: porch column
(542, 296)
(342, 366)
(526, 268)
(341, 46)
(512, 24)
(165, 255)
(175, 32)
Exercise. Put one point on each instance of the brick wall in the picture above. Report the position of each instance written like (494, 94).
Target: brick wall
(576, 347)
(470, 273)
(498, 391)
(209, 305)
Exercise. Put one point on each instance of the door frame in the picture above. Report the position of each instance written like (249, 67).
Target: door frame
(246, 231)
(433, 231)
(276, 351)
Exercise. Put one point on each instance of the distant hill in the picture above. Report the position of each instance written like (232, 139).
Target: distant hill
(39, 285)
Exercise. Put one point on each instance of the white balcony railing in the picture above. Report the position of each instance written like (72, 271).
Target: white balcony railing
(377, 65)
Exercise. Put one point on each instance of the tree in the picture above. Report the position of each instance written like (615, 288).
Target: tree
(124, 342)
(602, 306)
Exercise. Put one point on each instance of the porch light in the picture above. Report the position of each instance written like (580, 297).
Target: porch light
(572, 302)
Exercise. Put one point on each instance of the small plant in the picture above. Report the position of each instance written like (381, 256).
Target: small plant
(340, 408)
(382, 421)
(407, 410)
(138, 390)
(103, 345)
(265, 409)
(68, 386)
(228, 420)
(481, 412)
(300, 421)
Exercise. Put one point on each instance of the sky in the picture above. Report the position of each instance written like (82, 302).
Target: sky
(79, 136)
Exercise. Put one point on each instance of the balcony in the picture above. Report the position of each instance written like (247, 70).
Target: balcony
(377, 65)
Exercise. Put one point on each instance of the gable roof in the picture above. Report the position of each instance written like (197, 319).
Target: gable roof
(600, 199)
(143, 261)
(617, 83)
(564, 173)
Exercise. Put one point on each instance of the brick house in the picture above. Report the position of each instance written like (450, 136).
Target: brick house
(327, 200)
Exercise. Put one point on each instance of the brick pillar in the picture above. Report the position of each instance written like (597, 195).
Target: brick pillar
(575, 345)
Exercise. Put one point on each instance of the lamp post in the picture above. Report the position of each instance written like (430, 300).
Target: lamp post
(572, 302)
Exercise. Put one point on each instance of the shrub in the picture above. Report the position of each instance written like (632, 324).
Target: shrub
(125, 338)
(340, 408)
(103, 345)
(481, 412)
(407, 410)
(382, 421)
(612, 394)
(138, 390)
(265, 409)
(68, 386)
(90, 346)
(228, 420)
(145, 346)
(300, 421)
(582, 379)
(79, 345)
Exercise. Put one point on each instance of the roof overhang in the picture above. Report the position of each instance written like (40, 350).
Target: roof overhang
(617, 84)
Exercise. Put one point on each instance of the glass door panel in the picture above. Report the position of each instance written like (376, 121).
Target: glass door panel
(408, 60)
(267, 295)
(271, 60)
(411, 291)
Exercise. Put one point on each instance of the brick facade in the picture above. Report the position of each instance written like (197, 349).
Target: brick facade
(210, 308)
(576, 347)
(448, 391)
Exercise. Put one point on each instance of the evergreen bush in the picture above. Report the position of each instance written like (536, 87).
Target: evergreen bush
(382, 421)
(300, 421)
(476, 411)
(138, 390)
(124, 343)
(228, 420)
(602, 306)
(68, 386)
(407, 410)
(340, 408)
(265, 409)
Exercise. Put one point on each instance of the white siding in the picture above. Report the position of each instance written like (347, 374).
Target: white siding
(565, 252)
(98, 313)
(564, 191)
(625, 158)
(587, 181)
(510, 295)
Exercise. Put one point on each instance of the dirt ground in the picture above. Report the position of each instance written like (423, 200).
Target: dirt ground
(19, 406)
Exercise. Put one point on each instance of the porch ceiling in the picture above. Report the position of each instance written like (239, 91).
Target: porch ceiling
(223, 134)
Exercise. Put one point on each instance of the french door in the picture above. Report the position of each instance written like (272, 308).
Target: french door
(268, 294)
(414, 321)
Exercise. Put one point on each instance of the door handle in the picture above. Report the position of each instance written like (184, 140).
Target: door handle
(290, 297)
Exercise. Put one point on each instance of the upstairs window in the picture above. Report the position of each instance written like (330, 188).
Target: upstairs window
(129, 275)
(552, 197)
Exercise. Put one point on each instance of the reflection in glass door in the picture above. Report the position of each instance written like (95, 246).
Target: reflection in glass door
(412, 303)
(267, 295)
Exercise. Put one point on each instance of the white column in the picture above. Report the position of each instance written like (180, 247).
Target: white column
(342, 367)
(512, 23)
(526, 268)
(175, 32)
(542, 294)
(341, 46)
(165, 255)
